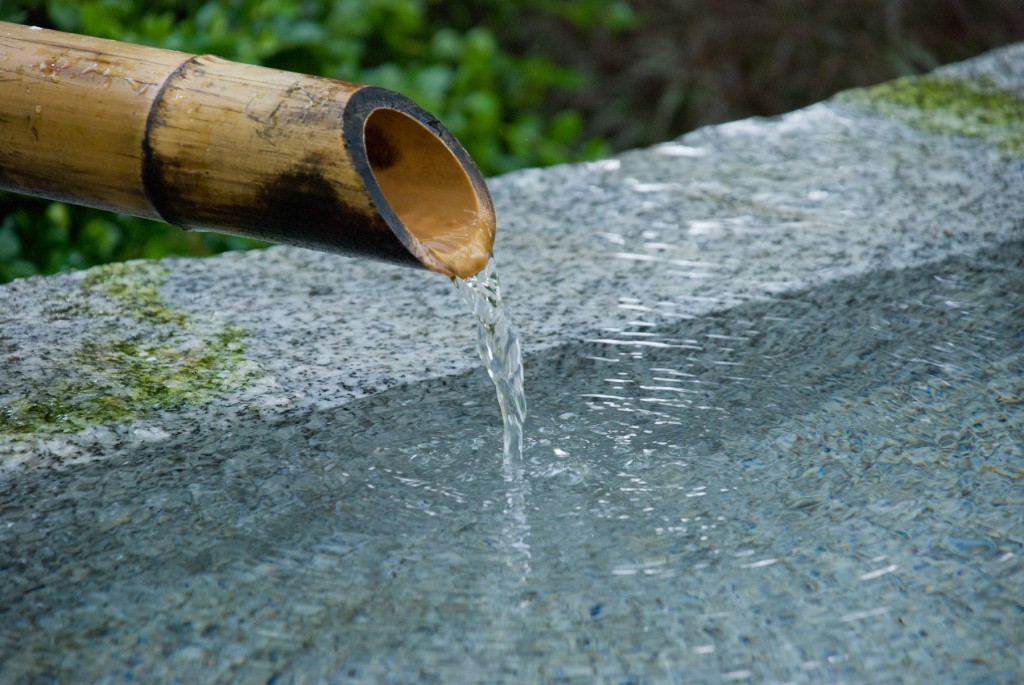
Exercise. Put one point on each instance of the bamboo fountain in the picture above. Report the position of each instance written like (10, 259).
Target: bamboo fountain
(207, 144)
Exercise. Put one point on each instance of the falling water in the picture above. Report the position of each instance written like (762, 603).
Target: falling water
(498, 345)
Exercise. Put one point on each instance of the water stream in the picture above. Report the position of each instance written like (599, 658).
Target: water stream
(498, 345)
(500, 350)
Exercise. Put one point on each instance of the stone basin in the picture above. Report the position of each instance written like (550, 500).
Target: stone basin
(775, 377)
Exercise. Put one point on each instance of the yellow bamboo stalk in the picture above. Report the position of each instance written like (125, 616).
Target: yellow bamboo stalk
(208, 144)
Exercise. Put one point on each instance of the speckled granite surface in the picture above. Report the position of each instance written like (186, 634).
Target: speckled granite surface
(776, 380)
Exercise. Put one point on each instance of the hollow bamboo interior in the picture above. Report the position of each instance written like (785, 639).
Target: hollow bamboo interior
(208, 144)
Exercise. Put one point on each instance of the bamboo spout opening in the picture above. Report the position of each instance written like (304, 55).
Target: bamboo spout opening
(430, 193)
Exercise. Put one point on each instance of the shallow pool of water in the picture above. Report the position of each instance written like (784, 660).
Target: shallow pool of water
(822, 487)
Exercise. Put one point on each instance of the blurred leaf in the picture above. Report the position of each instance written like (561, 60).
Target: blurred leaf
(10, 244)
(58, 214)
(566, 127)
(103, 237)
(65, 15)
(17, 268)
(13, 12)
(446, 45)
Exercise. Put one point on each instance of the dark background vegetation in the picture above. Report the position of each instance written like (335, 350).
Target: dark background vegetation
(527, 83)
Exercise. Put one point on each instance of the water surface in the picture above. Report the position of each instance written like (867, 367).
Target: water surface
(821, 487)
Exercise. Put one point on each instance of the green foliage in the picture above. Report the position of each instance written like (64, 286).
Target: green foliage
(446, 56)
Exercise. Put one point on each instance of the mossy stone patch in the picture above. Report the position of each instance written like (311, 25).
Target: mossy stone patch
(973, 108)
(137, 355)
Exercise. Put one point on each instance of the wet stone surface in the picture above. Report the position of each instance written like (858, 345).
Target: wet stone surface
(776, 385)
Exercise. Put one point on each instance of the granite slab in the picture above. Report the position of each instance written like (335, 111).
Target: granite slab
(870, 180)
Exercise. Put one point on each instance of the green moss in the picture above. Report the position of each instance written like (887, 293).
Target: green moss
(939, 104)
(135, 288)
(169, 358)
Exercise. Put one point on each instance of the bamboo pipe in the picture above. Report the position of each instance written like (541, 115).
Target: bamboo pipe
(208, 144)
